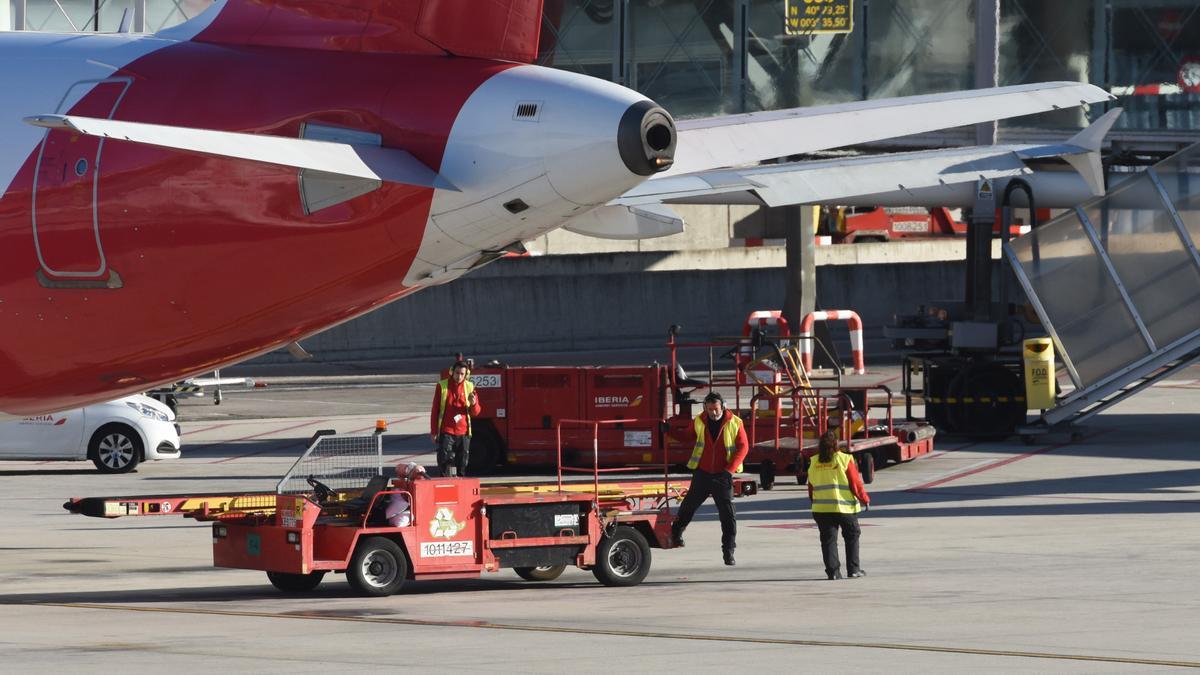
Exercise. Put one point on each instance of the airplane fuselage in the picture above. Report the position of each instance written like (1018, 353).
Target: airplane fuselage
(124, 265)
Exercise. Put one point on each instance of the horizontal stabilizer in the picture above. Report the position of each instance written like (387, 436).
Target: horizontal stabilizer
(738, 140)
(345, 159)
(627, 222)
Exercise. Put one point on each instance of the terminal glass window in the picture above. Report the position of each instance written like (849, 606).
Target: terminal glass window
(1153, 63)
(919, 47)
(789, 71)
(580, 36)
(679, 53)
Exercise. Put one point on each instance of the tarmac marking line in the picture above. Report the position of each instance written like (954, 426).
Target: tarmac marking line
(208, 428)
(264, 433)
(994, 465)
(487, 625)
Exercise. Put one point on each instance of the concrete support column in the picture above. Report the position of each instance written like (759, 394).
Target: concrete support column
(987, 59)
(800, 288)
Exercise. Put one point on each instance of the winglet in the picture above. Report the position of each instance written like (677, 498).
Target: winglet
(1093, 136)
(1087, 164)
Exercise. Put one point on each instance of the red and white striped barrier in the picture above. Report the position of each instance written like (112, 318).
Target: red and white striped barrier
(856, 336)
(765, 318)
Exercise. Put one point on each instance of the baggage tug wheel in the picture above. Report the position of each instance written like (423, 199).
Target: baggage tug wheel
(622, 558)
(377, 568)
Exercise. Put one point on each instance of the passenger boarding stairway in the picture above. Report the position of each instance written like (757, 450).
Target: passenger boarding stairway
(1116, 284)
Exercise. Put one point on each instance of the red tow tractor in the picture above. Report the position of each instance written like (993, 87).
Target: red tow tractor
(335, 511)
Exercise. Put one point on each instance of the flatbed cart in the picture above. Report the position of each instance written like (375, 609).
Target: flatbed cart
(454, 528)
(871, 441)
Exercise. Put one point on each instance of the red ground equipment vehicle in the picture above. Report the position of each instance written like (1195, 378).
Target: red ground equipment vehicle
(412, 528)
(763, 381)
(846, 225)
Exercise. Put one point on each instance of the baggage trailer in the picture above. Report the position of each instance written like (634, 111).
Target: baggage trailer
(452, 528)
(522, 406)
(872, 441)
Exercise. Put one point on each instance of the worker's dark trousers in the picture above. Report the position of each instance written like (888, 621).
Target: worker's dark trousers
(452, 452)
(720, 486)
(828, 524)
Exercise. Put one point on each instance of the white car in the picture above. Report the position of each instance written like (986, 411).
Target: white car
(116, 435)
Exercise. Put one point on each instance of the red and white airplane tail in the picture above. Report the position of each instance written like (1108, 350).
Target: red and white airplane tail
(504, 30)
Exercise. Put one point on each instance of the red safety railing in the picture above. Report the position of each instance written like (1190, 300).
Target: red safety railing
(595, 468)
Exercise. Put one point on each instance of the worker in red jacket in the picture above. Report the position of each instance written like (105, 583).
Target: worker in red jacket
(838, 494)
(720, 448)
(454, 404)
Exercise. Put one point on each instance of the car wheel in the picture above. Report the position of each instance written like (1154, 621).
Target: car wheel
(295, 583)
(622, 558)
(378, 567)
(543, 573)
(115, 448)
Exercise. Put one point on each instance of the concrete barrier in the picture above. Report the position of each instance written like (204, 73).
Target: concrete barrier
(627, 300)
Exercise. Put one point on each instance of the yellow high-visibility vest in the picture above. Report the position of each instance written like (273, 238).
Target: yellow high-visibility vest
(729, 435)
(444, 386)
(831, 485)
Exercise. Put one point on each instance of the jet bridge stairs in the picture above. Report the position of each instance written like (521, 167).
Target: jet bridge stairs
(1116, 284)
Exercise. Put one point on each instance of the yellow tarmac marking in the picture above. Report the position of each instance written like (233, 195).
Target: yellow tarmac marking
(639, 634)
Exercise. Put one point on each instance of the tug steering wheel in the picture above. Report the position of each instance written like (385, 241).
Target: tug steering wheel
(322, 492)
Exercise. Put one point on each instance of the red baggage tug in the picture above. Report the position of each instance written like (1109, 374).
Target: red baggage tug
(453, 528)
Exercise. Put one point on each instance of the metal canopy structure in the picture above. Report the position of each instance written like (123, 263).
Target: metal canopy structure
(1116, 282)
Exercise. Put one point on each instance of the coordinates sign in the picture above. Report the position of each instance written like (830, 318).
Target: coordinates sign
(803, 17)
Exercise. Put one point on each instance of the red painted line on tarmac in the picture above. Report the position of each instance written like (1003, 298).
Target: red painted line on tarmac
(209, 428)
(995, 465)
(246, 438)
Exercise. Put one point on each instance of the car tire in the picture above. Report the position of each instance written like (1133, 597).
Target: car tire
(544, 573)
(622, 558)
(295, 583)
(378, 567)
(115, 448)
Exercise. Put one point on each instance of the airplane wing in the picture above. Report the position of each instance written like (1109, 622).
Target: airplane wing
(344, 159)
(735, 140)
(641, 212)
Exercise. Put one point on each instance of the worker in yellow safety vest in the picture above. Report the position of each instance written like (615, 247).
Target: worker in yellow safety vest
(837, 493)
(720, 449)
(454, 404)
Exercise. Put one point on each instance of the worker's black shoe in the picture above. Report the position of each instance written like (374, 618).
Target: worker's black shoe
(857, 574)
(833, 576)
(729, 559)
(676, 540)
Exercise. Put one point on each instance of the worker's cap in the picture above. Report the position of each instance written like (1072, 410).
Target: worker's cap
(714, 397)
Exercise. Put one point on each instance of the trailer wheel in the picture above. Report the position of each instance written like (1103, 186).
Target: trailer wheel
(378, 567)
(543, 573)
(295, 583)
(866, 466)
(622, 558)
(766, 475)
(115, 448)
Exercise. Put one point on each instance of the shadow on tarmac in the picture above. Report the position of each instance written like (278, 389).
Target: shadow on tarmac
(335, 587)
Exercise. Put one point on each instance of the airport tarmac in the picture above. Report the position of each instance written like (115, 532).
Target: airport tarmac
(981, 557)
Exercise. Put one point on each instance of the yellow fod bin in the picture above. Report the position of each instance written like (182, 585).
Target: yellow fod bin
(1039, 373)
